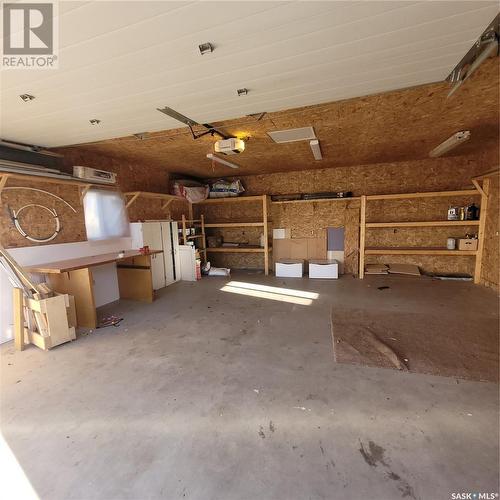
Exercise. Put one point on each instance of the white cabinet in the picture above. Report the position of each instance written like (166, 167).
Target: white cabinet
(187, 258)
(159, 235)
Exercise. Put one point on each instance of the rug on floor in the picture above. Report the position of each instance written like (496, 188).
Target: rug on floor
(462, 347)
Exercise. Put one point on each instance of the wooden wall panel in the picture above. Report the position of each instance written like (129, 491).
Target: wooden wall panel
(37, 222)
(396, 126)
(312, 218)
(130, 176)
(490, 274)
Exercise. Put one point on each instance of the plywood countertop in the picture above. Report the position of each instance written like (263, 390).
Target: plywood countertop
(64, 266)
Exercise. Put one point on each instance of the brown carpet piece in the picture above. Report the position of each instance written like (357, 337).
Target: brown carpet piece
(461, 347)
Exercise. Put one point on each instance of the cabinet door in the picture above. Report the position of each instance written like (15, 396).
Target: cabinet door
(168, 256)
(158, 271)
(152, 237)
(175, 250)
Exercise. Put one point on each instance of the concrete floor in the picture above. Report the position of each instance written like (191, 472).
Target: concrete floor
(206, 394)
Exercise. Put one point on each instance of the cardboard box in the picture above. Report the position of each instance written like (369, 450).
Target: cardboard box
(467, 244)
(327, 269)
(289, 268)
(281, 234)
(299, 248)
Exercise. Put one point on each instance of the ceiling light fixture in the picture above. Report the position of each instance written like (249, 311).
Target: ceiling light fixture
(230, 146)
(241, 92)
(27, 97)
(450, 143)
(206, 48)
(292, 135)
(316, 150)
(212, 157)
(94, 121)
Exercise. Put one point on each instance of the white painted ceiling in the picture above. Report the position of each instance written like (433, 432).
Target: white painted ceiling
(119, 61)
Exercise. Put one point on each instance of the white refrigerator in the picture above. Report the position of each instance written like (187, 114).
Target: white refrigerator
(159, 235)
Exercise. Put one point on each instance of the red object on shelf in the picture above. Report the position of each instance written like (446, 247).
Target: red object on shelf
(144, 250)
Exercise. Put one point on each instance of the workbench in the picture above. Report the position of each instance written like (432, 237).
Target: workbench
(74, 277)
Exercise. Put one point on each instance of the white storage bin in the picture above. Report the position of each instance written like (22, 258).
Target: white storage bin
(328, 269)
(289, 268)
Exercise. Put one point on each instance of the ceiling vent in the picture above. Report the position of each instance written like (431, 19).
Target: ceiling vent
(292, 135)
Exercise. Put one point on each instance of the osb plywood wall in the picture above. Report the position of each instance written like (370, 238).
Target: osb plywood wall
(131, 177)
(393, 126)
(312, 218)
(490, 273)
(38, 222)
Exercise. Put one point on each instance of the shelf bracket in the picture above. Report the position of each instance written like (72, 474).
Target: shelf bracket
(478, 187)
(134, 197)
(3, 182)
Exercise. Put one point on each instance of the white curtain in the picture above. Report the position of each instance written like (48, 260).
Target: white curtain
(105, 215)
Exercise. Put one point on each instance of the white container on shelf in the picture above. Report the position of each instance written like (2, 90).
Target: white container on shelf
(326, 269)
(289, 268)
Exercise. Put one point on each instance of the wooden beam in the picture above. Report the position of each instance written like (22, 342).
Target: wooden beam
(266, 235)
(18, 309)
(430, 194)
(481, 232)
(437, 223)
(362, 236)
(417, 251)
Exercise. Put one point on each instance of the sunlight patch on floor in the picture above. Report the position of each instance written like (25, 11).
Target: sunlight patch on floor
(14, 483)
(291, 296)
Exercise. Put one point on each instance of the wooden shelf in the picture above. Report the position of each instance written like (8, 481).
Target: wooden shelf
(236, 250)
(315, 201)
(168, 198)
(425, 223)
(202, 246)
(416, 251)
(262, 223)
(83, 185)
(232, 199)
(54, 180)
(430, 194)
(235, 224)
(479, 190)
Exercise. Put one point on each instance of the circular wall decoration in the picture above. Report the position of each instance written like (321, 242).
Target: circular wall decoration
(53, 213)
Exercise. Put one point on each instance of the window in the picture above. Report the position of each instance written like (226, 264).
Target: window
(105, 215)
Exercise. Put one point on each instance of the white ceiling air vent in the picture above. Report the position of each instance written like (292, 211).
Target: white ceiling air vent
(292, 135)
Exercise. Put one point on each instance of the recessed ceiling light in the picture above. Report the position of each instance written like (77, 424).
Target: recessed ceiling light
(94, 121)
(242, 92)
(27, 97)
(206, 48)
